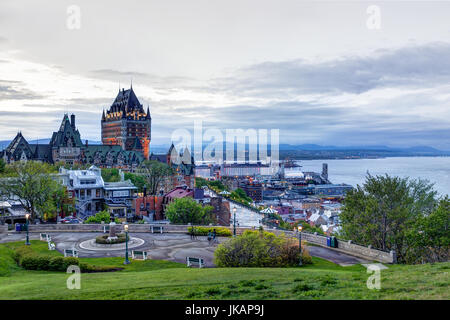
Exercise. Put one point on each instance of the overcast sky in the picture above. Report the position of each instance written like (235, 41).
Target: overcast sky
(312, 69)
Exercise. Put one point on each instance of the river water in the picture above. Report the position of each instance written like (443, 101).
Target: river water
(353, 171)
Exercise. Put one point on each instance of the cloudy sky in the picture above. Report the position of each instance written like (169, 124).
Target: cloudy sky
(316, 70)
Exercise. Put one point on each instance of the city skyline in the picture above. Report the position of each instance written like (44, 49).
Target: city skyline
(313, 70)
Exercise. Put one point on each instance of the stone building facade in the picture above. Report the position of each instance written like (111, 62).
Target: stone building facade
(126, 124)
(66, 147)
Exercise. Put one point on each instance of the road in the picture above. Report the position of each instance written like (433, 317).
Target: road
(339, 258)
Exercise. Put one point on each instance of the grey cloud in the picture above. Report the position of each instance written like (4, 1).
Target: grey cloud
(408, 66)
(13, 90)
(157, 82)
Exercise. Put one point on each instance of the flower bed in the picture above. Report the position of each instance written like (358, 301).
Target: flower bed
(103, 239)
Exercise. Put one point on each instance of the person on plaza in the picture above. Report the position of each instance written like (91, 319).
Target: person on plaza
(214, 235)
(209, 236)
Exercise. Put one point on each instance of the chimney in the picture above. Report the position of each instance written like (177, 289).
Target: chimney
(72, 121)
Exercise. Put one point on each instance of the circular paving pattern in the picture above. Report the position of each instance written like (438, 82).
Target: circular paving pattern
(94, 246)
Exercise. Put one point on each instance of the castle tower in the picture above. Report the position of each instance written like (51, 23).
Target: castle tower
(127, 124)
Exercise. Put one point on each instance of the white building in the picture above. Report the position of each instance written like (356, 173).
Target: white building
(91, 192)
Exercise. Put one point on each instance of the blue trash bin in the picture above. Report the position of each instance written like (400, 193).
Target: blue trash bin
(334, 242)
(329, 241)
(17, 226)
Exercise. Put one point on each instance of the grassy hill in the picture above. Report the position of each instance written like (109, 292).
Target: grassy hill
(155, 279)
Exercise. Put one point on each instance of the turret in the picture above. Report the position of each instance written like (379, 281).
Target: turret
(72, 121)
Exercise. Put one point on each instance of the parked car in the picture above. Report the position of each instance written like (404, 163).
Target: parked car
(71, 220)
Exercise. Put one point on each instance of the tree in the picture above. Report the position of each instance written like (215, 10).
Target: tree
(384, 209)
(154, 173)
(240, 194)
(111, 175)
(32, 185)
(137, 180)
(431, 236)
(187, 210)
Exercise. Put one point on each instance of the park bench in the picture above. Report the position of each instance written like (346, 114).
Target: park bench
(51, 245)
(45, 237)
(191, 260)
(70, 252)
(153, 229)
(139, 255)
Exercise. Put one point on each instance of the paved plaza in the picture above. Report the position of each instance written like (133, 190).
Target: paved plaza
(167, 246)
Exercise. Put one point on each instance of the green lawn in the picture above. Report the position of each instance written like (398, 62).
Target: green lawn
(156, 279)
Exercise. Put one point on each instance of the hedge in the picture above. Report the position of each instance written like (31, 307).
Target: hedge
(203, 231)
(26, 258)
(29, 260)
(103, 239)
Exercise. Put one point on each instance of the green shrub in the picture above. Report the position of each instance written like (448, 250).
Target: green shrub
(257, 249)
(56, 264)
(29, 260)
(99, 217)
(69, 261)
(203, 231)
(89, 268)
(103, 239)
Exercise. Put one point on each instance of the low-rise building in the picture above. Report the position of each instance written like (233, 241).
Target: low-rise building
(92, 194)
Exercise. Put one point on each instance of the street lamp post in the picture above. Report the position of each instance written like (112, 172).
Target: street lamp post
(27, 217)
(300, 243)
(126, 245)
(234, 221)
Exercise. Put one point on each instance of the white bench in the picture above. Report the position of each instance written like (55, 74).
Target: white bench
(45, 237)
(135, 254)
(70, 252)
(51, 245)
(198, 261)
(154, 228)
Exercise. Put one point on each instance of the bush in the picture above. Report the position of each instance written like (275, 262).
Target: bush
(257, 249)
(99, 217)
(29, 260)
(203, 231)
(56, 264)
(89, 268)
(26, 258)
(103, 239)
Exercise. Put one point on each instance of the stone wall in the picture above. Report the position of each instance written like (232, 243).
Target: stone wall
(346, 247)
(3, 228)
(99, 228)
